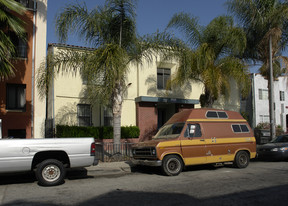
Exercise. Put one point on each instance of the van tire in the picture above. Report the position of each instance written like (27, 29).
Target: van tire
(242, 159)
(172, 165)
(50, 172)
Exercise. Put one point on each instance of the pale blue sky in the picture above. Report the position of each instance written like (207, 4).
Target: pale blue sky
(152, 15)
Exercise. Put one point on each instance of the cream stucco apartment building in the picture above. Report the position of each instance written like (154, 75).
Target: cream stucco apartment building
(147, 104)
(22, 113)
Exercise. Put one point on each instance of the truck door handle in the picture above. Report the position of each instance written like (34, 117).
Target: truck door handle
(202, 140)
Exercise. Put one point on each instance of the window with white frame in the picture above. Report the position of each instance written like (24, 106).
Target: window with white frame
(84, 115)
(163, 75)
(264, 118)
(282, 96)
(16, 97)
(263, 94)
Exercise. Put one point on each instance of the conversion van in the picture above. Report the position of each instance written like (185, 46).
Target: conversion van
(198, 136)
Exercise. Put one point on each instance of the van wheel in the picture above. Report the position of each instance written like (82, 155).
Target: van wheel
(242, 159)
(50, 172)
(172, 165)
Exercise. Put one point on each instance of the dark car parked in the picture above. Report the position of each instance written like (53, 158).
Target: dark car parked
(276, 149)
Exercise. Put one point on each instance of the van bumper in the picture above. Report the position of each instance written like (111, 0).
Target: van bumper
(154, 163)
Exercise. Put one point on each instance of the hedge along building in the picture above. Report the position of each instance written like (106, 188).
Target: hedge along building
(22, 113)
(147, 104)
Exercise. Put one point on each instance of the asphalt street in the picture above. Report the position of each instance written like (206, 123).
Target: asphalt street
(261, 183)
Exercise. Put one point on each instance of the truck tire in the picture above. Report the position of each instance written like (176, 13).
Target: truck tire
(241, 159)
(172, 165)
(50, 172)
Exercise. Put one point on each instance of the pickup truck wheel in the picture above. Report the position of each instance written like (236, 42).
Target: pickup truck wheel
(172, 165)
(50, 172)
(242, 159)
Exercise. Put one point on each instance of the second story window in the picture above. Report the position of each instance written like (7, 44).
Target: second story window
(163, 75)
(263, 94)
(20, 45)
(282, 96)
(16, 97)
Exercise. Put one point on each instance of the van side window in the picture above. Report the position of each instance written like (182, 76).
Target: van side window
(240, 128)
(216, 114)
(193, 130)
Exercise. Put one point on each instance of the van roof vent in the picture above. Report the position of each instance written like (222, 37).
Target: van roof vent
(216, 114)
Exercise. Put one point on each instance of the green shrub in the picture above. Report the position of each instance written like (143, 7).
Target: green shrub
(96, 132)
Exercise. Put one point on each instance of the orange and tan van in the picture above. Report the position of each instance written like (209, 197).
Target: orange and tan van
(198, 136)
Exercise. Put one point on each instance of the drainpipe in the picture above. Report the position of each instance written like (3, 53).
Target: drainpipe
(253, 101)
(33, 69)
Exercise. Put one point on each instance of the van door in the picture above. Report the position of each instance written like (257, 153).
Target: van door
(193, 145)
(216, 140)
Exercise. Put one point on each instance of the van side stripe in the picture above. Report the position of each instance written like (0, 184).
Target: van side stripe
(212, 141)
(216, 120)
(230, 140)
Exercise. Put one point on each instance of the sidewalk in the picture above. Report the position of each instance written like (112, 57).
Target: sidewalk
(109, 168)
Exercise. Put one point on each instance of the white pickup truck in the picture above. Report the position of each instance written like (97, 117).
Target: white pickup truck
(49, 158)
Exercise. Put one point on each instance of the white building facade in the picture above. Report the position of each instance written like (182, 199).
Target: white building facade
(257, 105)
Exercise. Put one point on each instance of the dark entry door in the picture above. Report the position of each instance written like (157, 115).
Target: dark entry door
(161, 117)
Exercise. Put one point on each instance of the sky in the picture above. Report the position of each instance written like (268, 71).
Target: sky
(152, 15)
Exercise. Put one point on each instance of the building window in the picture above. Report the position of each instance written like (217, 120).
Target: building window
(20, 45)
(264, 118)
(84, 115)
(108, 117)
(163, 75)
(282, 96)
(17, 133)
(16, 97)
(263, 94)
(26, 3)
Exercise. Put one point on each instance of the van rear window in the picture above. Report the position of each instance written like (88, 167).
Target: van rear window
(237, 128)
(216, 114)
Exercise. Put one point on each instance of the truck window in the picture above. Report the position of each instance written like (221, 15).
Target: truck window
(237, 128)
(170, 130)
(216, 115)
(193, 130)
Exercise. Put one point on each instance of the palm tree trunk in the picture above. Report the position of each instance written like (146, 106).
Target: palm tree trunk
(117, 109)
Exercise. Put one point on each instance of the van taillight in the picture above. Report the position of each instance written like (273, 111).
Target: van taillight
(93, 149)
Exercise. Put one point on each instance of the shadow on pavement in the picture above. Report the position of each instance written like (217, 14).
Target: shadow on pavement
(266, 196)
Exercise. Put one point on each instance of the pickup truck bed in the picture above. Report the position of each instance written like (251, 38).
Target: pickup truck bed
(49, 158)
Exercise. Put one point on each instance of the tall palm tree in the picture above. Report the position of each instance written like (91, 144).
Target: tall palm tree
(111, 31)
(262, 19)
(9, 22)
(211, 57)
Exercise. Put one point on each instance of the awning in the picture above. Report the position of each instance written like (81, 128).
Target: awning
(166, 100)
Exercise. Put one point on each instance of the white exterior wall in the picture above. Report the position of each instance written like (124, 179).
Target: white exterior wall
(40, 54)
(261, 107)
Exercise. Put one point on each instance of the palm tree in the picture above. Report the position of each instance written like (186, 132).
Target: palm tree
(111, 31)
(262, 19)
(265, 23)
(9, 22)
(211, 57)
